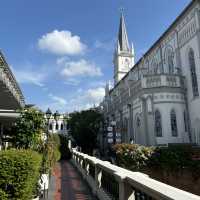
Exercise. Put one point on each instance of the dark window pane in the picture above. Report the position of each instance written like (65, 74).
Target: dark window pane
(158, 124)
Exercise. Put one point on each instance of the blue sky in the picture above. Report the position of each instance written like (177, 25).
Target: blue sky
(61, 51)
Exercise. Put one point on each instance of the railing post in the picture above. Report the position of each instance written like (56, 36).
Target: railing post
(126, 192)
(98, 175)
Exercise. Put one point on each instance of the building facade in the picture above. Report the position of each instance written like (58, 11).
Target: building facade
(58, 126)
(156, 100)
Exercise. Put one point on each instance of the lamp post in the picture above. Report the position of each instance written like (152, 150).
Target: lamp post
(56, 116)
(113, 124)
(48, 116)
(65, 119)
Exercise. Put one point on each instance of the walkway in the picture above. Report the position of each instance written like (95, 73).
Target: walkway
(67, 184)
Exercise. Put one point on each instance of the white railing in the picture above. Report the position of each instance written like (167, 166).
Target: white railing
(110, 182)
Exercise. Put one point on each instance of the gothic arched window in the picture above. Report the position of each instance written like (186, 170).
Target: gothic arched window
(185, 121)
(56, 126)
(193, 73)
(173, 123)
(154, 67)
(158, 124)
(61, 127)
(170, 60)
(50, 127)
(125, 124)
(138, 122)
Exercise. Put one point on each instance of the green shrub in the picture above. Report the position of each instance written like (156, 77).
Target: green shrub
(64, 150)
(172, 159)
(132, 156)
(19, 173)
(51, 152)
(3, 195)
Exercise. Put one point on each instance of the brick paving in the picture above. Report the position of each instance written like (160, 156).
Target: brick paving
(68, 184)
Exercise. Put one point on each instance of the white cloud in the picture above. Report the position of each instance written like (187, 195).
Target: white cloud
(59, 100)
(86, 99)
(30, 77)
(105, 45)
(72, 82)
(95, 95)
(62, 60)
(81, 68)
(81, 100)
(61, 43)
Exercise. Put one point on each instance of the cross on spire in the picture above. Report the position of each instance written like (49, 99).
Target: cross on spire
(121, 10)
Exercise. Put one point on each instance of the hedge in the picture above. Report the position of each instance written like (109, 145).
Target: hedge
(132, 156)
(19, 174)
(172, 158)
(64, 150)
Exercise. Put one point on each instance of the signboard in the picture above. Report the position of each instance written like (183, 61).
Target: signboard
(118, 140)
(113, 123)
(110, 140)
(118, 134)
(110, 134)
(110, 129)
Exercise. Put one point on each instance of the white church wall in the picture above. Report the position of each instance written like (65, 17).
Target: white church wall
(193, 102)
(165, 109)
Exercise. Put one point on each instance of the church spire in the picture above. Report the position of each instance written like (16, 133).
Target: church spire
(122, 35)
(124, 54)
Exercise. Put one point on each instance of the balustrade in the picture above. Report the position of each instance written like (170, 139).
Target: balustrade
(166, 80)
(110, 182)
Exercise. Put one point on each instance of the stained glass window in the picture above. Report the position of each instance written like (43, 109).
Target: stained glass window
(170, 61)
(173, 123)
(193, 73)
(158, 124)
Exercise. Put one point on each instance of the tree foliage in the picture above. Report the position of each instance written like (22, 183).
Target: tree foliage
(27, 132)
(84, 127)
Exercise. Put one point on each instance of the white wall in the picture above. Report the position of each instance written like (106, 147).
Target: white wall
(165, 109)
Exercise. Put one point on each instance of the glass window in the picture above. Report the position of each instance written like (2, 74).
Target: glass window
(185, 121)
(50, 126)
(61, 127)
(138, 122)
(173, 123)
(193, 73)
(158, 124)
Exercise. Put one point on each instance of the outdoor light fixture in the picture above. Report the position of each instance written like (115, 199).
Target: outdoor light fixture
(56, 115)
(48, 114)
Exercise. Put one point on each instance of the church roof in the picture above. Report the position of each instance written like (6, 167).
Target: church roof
(122, 35)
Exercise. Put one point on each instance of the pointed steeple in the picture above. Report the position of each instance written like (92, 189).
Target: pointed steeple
(124, 54)
(122, 35)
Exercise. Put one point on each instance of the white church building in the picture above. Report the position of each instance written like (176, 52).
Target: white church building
(156, 101)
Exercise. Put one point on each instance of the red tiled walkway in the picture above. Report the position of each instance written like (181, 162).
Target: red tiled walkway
(69, 184)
